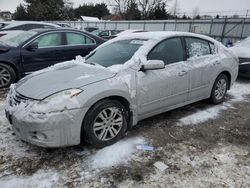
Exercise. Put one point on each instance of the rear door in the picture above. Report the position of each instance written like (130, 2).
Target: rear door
(78, 44)
(203, 63)
(48, 53)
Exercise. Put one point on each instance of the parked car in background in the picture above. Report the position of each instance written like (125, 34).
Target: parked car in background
(125, 80)
(90, 29)
(3, 24)
(106, 34)
(242, 50)
(129, 31)
(9, 33)
(22, 52)
(28, 25)
(64, 25)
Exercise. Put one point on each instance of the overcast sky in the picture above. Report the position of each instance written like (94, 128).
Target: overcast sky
(184, 5)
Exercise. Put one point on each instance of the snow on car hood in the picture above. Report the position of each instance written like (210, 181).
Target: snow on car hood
(60, 77)
(243, 52)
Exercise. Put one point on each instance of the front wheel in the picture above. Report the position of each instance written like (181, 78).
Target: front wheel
(219, 90)
(105, 123)
(7, 75)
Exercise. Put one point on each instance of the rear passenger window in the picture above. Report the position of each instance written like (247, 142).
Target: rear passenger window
(197, 47)
(169, 51)
(77, 39)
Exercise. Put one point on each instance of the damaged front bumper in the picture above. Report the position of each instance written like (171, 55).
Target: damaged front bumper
(59, 129)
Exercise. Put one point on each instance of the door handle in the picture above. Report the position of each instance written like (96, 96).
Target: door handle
(182, 73)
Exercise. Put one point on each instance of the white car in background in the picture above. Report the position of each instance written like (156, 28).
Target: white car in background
(242, 50)
(28, 25)
(129, 31)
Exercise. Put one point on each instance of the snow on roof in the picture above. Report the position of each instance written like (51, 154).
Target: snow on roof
(90, 19)
(18, 23)
(129, 31)
(160, 35)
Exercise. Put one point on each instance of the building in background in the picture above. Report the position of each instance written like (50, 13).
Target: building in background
(5, 16)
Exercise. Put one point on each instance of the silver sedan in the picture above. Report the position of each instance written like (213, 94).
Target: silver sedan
(127, 79)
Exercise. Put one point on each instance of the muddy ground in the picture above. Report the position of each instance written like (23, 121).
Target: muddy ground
(215, 152)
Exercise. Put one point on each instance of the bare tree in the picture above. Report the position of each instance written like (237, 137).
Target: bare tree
(121, 6)
(196, 12)
(145, 6)
(175, 9)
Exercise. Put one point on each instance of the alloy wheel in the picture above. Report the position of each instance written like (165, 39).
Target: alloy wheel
(220, 89)
(5, 77)
(108, 123)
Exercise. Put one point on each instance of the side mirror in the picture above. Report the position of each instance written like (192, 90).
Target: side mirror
(32, 46)
(153, 65)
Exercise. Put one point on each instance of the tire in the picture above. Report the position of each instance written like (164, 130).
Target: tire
(219, 90)
(7, 75)
(101, 131)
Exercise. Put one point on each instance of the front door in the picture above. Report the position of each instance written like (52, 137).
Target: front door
(49, 52)
(161, 89)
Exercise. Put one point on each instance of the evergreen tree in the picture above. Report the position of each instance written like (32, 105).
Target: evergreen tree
(20, 13)
(97, 10)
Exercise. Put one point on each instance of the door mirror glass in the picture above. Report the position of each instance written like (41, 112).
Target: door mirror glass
(153, 65)
(33, 46)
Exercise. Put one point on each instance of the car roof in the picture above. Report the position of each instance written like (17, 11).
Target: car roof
(59, 29)
(63, 29)
(160, 35)
(18, 23)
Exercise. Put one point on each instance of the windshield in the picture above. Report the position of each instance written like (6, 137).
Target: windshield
(115, 53)
(15, 38)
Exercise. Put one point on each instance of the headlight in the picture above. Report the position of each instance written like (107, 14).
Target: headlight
(58, 102)
(70, 93)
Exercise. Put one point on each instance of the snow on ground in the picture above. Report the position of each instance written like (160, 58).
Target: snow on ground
(104, 159)
(39, 180)
(238, 92)
(116, 154)
(202, 116)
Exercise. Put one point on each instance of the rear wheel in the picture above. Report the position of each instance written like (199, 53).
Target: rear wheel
(105, 123)
(7, 75)
(219, 90)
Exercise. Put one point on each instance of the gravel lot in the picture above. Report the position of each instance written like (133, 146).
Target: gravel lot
(201, 144)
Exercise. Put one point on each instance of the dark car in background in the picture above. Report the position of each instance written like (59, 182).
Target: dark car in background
(26, 51)
(28, 25)
(90, 29)
(106, 34)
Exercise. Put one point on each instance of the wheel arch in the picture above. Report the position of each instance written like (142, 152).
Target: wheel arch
(229, 76)
(13, 67)
(123, 100)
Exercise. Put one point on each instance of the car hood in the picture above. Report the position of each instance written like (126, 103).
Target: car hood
(48, 81)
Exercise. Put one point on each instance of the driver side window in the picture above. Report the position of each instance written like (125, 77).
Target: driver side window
(169, 51)
(49, 40)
